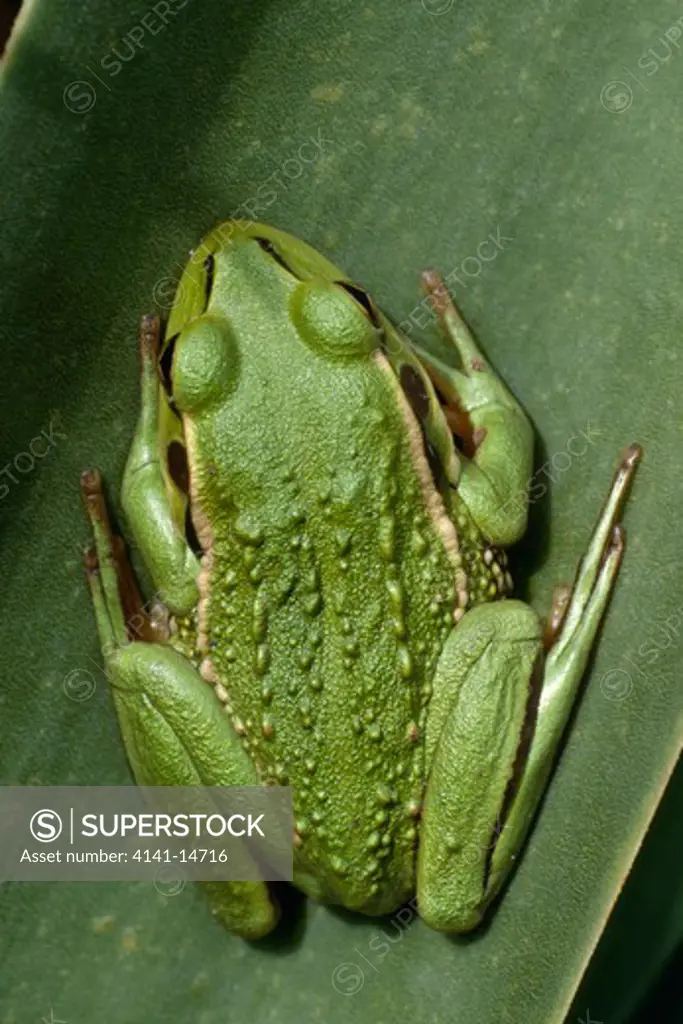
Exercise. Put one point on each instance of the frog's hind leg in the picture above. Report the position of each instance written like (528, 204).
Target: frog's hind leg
(498, 436)
(173, 727)
(477, 717)
(577, 620)
(155, 506)
(495, 722)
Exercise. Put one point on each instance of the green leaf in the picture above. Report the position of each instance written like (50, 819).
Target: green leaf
(635, 972)
(392, 137)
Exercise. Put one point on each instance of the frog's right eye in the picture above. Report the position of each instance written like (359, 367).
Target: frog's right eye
(205, 363)
(332, 320)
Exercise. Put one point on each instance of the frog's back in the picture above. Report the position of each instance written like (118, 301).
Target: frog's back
(330, 592)
(329, 586)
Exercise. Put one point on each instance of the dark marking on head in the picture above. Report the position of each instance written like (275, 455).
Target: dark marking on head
(415, 391)
(268, 247)
(165, 368)
(209, 267)
(363, 300)
(178, 469)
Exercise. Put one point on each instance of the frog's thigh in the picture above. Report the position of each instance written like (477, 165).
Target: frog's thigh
(176, 734)
(474, 730)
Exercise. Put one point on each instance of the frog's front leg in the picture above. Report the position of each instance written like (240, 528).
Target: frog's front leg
(495, 720)
(174, 730)
(154, 505)
(494, 481)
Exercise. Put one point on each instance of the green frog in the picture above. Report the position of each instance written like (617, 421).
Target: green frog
(324, 509)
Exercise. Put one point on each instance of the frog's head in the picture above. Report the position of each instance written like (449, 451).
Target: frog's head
(264, 324)
(246, 282)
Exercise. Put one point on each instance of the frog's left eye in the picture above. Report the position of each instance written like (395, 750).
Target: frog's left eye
(206, 363)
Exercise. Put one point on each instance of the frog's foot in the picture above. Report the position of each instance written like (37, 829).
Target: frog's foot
(101, 568)
(120, 612)
(576, 630)
(471, 835)
(174, 730)
(607, 539)
(578, 621)
(578, 615)
(496, 435)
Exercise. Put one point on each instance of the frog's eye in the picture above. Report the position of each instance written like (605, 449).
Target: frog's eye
(363, 300)
(330, 318)
(206, 363)
(268, 247)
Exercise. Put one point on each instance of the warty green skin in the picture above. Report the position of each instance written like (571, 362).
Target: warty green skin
(344, 613)
(329, 594)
